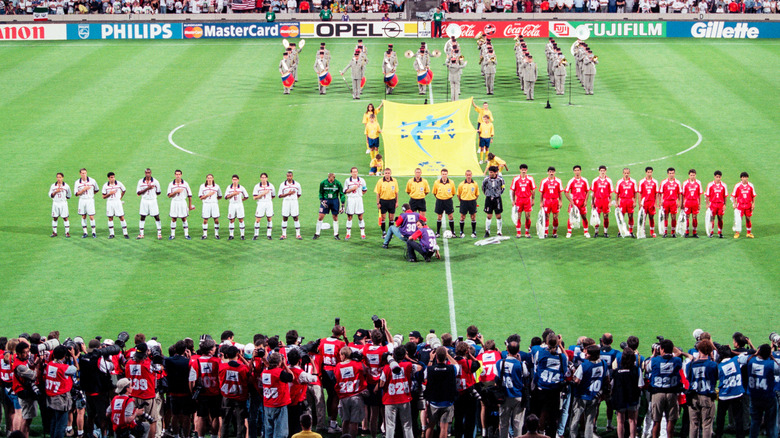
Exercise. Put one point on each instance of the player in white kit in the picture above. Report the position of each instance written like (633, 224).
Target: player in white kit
(290, 191)
(59, 192)
(178, 190)
(236, 194)
(113, 192)
(263, 194)
(355, 187)
(148, 189)
(85, 188)
(210, 193)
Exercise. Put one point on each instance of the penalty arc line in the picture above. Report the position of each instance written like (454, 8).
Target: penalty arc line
(450, 295)
(170, 140)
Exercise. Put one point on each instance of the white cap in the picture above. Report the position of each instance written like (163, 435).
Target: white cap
(152, 343)
(108, 342)
(697, 333)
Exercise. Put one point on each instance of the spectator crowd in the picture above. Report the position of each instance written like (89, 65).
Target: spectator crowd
(377, 384)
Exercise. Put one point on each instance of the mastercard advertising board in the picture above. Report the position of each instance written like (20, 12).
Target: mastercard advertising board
(241, 30)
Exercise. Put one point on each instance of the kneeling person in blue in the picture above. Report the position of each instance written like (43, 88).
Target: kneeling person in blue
(405, 225)
(423, 241)
(331, 197)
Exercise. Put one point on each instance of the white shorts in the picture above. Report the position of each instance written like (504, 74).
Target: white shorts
(264, 209)
(87, 206)
(179, 209)
(114, 208)
(149, 207)
(235, 211)
(210, 210)
(354, 206)
(59, 209)
(289, 208)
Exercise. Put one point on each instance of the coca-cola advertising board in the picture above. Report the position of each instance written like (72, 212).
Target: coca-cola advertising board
(500, 29)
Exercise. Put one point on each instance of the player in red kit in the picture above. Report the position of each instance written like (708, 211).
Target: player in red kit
(692, 192)
(522, 192)
(648, 193)
(744, 195)
(602, 196)
(551, 189)
(716, 201)
(671, 194)
(627, 191)
(577, 193)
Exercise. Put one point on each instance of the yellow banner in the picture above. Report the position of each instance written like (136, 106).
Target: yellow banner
(430, 137)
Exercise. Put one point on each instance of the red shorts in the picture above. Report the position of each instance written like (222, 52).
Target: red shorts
(552, 206)
(524, 204)
(579, 204)
(746, 210)
(601, 205)
(692, 207)
(717, 209)
(627, 205)
(649, 208)
(670, 207)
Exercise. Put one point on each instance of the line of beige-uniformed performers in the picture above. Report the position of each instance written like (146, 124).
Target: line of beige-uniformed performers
(526, 69)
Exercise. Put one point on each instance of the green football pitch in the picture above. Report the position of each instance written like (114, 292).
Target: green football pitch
(112, 106)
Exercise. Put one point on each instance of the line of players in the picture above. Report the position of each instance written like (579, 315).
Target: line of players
(670, 195)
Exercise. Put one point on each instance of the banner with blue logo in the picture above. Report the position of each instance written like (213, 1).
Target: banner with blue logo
(125, 31)
(723, 29)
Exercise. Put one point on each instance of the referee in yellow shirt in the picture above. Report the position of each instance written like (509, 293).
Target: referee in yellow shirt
(468, 192)
(372, 135)
(418, 189)
(443, 191)
(485, 137)
(386, 198)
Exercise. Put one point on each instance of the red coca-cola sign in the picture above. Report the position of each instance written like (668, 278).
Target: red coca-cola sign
(500, 29)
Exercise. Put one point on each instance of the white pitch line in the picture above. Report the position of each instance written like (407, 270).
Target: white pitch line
(430, 91)
(170, 140)
(450, 295)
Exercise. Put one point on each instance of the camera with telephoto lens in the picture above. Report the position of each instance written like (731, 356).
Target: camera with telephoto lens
(156, 355)
(69, 344)
(49, 345)
(774, 338)
(377, 321)
(394, 367)
(623, 345)
(143, 416)
(657, 346)
(121, 339)
(356, 356)
(197, 389)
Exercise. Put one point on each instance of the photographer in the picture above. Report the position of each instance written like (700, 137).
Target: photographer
(330, 349)
(762, 370)
(143, 382)
(510, 374)
(23, 385)
(204, 385)
(375, 357)
(396, 381)
(258, 364)
(730, 390)
(298, 387)
(474, 339)
(551, 364)
(351, 383)
(702, 373)
(665, 385)
(464, 421)
(9, 400)
(177, 370)
(609, 355)
(276, 381)
(95, 369)
(626, 391)
(59, 382)
(314, 395)
(123, 414)
(589, 379)
(442, 375)
(234, 386)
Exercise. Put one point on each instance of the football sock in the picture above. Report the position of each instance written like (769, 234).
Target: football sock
(695, 224)
(606, 222)
(473, 227)
(652, 222)
(206, 229)
(720, 224)
(297, 228)
(92, 225)
(462, 223)
(231, 228)
(568, 225)
(748, 224)
(110, 228)
(487, 224)
(499, 225)
(527, 223)
(318, 227)
(596, 229)
(84, 225)
(216, 230)
(452, 226)
(54, 226)
(349, 226)
(631, 224)
(257, 229)
(269, 228)
(241, 228)
(124, 227)
(362, 225)
(383, 224)
(186, 227)
(173, 229)
(335, 228)
(159, 226)
(438, 227)
(585, 224)
(141, 227)
(67, 225)
(284, 228)
(372, 154)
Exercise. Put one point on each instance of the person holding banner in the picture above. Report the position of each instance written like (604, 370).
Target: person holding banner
(321, 66)
(372, 135)
(421, 64)
(357, 65)
(285, 70)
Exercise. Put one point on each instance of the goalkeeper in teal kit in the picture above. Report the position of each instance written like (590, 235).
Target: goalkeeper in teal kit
(331, 199)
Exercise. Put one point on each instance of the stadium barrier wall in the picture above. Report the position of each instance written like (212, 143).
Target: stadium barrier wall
(210, 28)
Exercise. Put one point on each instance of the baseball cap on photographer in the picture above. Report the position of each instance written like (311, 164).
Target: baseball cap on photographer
(121, 384)
(415, 334)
